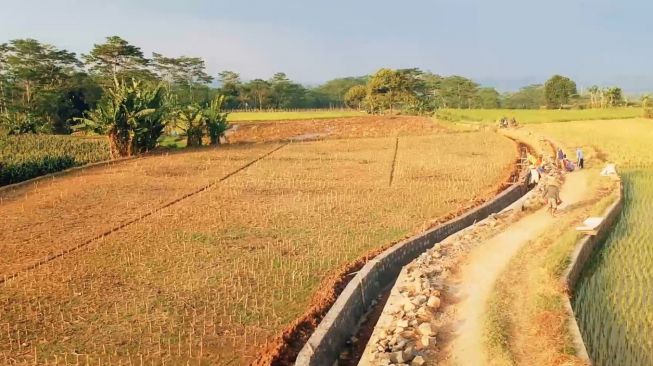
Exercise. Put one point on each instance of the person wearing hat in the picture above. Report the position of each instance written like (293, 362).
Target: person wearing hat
(552, 194)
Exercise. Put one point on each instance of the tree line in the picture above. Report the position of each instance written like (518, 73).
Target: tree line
(45, 89)
(418, 91)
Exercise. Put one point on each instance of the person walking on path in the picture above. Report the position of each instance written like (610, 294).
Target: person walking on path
(552, 195)
(580, 157)
(560, 157)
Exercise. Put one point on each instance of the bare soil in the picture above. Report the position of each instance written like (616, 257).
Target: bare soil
(349, 127)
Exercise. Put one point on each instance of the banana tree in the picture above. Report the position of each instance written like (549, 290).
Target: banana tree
(132, 115)
(190, 119)
(216, 120)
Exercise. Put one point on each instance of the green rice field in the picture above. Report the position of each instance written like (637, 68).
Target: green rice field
(614, 296)
(537, 115)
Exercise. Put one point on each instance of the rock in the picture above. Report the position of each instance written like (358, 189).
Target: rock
(418, 361)
(408, 306)
(417, 286)
(383, 362)
(383, 343)
(427, 341)
(426, 329)
(397, 357)
(433, 302)
(401, 344)
(423, 312)
(419, 300)
(400, 357)
(410, 352)
(402, 323)
(437, 269)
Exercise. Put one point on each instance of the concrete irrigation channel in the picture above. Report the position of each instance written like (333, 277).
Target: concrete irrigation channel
(375, 279)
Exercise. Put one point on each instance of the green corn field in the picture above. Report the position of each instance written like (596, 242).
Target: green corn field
(27, 156)
(614, 297)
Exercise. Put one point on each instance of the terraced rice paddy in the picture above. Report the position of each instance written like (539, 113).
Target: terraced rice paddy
(614, 301)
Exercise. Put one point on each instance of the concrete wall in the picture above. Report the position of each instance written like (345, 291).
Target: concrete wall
(581, 254)
(341, 322)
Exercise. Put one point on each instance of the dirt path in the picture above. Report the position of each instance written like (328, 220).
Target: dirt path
(462, 342)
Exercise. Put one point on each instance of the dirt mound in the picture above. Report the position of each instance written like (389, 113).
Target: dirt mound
(350, 127)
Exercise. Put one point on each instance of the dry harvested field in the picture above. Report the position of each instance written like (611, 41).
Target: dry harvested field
(211, 278)
(370, 126)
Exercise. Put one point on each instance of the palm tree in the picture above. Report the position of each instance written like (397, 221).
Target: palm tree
(593, 91)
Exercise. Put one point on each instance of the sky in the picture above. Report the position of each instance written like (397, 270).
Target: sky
(501, 43)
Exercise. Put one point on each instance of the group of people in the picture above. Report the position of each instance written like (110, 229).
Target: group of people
(552, 184)
(566, 164)
(505, 123)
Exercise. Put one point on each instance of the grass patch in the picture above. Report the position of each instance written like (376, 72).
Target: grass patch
(529, 116)
(172, 142)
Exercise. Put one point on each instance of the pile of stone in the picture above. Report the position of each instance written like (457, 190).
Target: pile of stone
(408, 334)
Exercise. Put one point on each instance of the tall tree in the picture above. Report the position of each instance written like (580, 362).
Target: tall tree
(4, 80)
(558, 91)
(259, 91)
(282, 90)
(355, 96)
(115, 58)
(458, 92)
(182, 72)
(387, 88)
(332, 93)
(594, 93)
(528, 97)
(487, 98)
(614, 96)
(33, 76)
(231, 87)
(35, 67)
